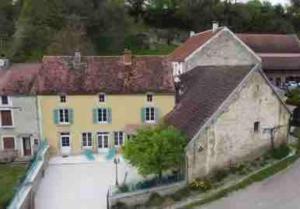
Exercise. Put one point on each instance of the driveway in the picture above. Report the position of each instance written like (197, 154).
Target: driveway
(77, 183)
(278, 192)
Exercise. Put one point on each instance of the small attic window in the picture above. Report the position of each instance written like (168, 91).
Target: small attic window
(101, 98)
(149, 97)
(63, 98)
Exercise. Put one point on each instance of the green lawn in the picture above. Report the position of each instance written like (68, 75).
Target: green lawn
(10, 176)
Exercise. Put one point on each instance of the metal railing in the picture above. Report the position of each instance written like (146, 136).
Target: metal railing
(24, 188)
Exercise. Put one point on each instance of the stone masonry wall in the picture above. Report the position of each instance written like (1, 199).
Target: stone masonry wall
(222, 50)
(231, 137)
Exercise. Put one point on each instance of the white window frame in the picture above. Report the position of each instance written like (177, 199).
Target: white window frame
(104, 96)
(102, 115)
(152, 96)
(60, 99)
(8, 136)
(12, 118)
(150, 119)
(118, 134)
(65, 134)
(101, 135)
(89, 138)
(63, 121)
(8, 100)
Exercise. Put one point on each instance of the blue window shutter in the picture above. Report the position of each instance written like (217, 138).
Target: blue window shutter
(71, 115)
(95, 115)
(143, 115)
(109, 115)
(156, 114)
(55, 116)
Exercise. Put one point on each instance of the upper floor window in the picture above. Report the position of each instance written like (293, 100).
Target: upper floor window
(149, 97)
(149, 114)
(101, 98)
(63, 99)
(63, 116)
(6, 118)
(4, 100)
(102, 115)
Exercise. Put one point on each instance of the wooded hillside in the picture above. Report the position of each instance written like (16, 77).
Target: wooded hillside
(31, 28)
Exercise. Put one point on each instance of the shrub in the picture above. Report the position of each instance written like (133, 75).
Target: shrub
(239, 169)
(219, 175)
(155, 199)
(124, 188)
(201, 184)
(120, 205)
(282, 151)
(177, 196)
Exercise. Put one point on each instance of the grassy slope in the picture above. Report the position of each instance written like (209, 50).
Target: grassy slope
(10, 175)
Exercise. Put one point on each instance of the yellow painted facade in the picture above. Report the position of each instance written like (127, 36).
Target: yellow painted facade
(125, 110)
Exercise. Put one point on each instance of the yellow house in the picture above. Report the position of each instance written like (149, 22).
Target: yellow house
(98, 102)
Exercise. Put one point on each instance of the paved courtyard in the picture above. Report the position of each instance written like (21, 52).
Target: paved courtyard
(77, 183)
(278, 192)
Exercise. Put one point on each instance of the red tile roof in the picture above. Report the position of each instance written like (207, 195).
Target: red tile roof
(271, 43)
(191, 44)
(280, 61)
(205, 89)
(18, 79)
(105, 74)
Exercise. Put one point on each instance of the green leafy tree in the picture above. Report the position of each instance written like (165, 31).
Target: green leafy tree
(156, 149)
(293, 97)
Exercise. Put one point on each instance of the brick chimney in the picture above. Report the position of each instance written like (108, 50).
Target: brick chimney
(215, 26)
(127, 57)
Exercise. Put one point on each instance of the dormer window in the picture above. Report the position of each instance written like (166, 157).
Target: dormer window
(101, 98)
(149, 97)
(63, 99)
(4, 100)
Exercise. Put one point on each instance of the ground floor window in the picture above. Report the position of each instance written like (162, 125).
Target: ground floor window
(8, 143)
(87, 139)
(119, 138)
(65, 139)
(103, 138)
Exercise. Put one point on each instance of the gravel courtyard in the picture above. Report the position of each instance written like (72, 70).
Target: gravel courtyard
(76, 183)
(278, 192)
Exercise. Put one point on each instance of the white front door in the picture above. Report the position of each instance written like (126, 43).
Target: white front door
(65, 143)
(103, 139)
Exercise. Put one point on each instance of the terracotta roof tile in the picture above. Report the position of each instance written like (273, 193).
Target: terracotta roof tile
(105, 74)
(271, 43)
(280, 61)
(18, 79)
(205, 89)
(191, 44)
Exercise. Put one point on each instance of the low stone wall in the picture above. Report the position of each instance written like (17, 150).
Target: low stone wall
(142, 196)
(24, 197)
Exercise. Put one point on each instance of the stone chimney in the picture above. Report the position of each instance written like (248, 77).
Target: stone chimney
(127, 57)
(4, 62)
(215, 26)
(77, 57)
(192, 33)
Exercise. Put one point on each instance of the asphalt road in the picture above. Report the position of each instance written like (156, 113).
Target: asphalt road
(281, 191)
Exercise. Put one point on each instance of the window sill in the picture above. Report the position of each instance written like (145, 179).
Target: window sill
(103, 123)
(63, 124)
(150, 122)
(7, 127)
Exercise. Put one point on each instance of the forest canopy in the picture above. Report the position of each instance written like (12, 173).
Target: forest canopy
(30, 29)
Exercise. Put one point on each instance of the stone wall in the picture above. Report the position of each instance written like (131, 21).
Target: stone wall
(223, 49)
(142, 196)
(231, 137)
